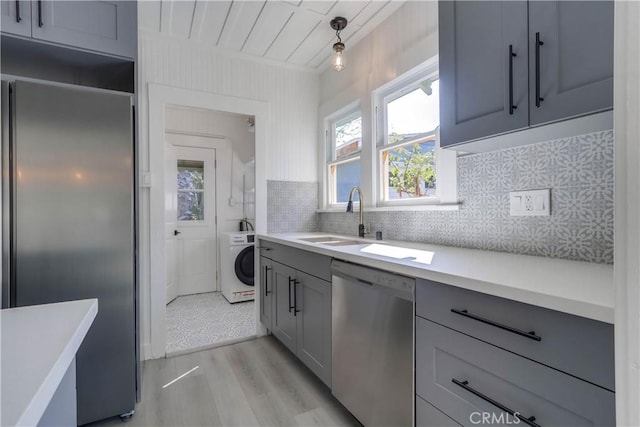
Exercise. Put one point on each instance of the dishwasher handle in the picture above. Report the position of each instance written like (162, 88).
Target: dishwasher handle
(385, 281)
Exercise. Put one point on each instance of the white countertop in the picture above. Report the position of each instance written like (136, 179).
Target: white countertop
(579, 288)
(38, 344)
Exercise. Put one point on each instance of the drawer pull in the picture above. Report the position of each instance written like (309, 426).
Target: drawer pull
(465, 385)
(532, 335)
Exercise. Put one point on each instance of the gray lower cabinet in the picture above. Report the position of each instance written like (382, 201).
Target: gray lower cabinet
(574, 56)
(16, 17)
(284, 322)
(575, 345)
(471, 381)
(510, 65)
(313, 306)
(428, 415)
(302, 317)
(102, 26)
(266, 292)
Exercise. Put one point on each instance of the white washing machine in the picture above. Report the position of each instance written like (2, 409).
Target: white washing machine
(236, 266)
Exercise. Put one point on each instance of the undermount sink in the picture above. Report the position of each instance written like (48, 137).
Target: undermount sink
(333, 241)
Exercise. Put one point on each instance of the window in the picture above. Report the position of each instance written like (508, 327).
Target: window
(190, 190)
(411, 164)
(344, 164)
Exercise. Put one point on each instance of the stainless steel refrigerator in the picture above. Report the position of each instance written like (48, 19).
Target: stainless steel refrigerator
(68, 224)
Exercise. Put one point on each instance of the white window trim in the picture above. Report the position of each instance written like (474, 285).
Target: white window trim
(346, 113)
(446, 160)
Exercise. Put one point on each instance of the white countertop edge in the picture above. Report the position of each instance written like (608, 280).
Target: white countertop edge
(39, 402)
(600, 312)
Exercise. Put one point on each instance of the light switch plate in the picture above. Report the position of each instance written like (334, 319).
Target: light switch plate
(530, 203)
(145, 179)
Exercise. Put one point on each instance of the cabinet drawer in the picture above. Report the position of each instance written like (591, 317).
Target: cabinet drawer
(459, 375)
(581, 347)
(311, 263)
(428, 416)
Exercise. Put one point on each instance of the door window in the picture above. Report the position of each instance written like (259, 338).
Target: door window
(190, 190)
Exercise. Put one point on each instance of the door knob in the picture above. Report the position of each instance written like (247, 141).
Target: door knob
(176, 232)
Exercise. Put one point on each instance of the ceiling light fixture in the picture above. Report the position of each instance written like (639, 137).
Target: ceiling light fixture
(338, 60)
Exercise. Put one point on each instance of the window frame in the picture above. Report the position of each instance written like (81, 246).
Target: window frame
(445, 160)
(345, 114)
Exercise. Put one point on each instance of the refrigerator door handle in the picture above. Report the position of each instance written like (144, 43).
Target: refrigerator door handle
(8, 186)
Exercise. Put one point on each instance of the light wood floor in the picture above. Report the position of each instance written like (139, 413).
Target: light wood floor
(253, 383)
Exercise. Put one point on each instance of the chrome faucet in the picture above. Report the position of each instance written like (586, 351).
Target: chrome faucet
(361, 231)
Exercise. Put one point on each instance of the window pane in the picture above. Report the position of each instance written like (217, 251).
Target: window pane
(348, 137)
(411, 171)
(190, 175)
(414, 114)
(190, 206)
(346, 175)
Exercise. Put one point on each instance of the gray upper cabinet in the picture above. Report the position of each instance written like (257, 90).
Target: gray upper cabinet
(511, 65)
(16, 17)
(480, 42)
(102, 26)
(574, 58)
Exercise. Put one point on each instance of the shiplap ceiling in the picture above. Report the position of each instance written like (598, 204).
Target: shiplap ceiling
(292, 32)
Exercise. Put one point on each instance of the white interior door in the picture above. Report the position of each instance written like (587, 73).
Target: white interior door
(196, 219)
(170, 221)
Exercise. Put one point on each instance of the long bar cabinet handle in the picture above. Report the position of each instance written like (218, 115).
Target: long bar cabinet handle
(290, 281)
(539, 43)
(511, 56)
(465, 385)
(18, 17)
(40, 21)
(531, 334)
(266, 280)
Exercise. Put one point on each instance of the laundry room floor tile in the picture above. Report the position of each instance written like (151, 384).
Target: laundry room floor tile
(195, 321)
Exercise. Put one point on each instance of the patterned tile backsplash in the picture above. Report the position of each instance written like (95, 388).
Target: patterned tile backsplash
(291, 206)
(579, 171)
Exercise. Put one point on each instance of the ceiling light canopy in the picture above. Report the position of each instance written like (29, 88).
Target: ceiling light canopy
(338, 60)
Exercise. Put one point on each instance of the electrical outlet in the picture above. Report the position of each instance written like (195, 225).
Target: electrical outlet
(530, 203)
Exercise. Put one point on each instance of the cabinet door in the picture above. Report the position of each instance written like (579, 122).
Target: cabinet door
(283, 320)
(475, 88)
(575, 59)
(102, 26)
(16, 17)
(266, 291)
(313, 306)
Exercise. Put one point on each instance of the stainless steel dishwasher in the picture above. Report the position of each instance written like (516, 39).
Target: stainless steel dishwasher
(372, 344)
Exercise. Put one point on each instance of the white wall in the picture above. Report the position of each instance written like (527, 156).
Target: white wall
(404, 40)
(292, 96)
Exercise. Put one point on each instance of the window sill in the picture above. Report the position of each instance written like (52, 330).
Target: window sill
(433, 207)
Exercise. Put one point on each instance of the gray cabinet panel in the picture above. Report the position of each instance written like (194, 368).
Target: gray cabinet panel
(578, 346)
(428, 415)
(267, 292)
(553, 398)
(314, 325)
(309, 262)
(283, 321)
(16, 17)
(474, 69)
(576, 58)
(103, 26)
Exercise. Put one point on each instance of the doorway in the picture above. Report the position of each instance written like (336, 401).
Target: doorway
(208, 181)
(153, 274)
